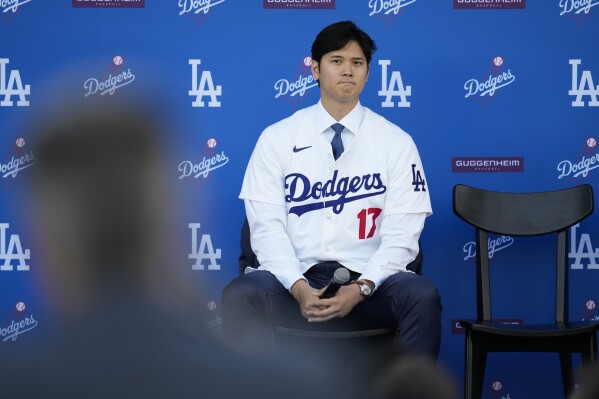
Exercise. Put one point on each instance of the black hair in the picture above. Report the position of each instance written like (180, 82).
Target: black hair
(337, 35)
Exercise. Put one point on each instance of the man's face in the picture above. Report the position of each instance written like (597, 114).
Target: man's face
(342, 74)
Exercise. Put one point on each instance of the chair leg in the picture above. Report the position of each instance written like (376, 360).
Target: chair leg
(565, 360)
(474, 368)
(590, 356)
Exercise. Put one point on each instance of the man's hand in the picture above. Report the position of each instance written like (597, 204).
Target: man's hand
(340, 305)
(307, 297)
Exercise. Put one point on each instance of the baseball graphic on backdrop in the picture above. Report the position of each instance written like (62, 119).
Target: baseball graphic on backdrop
(117, 60)
(308, 61)
(20, 306)
(590, 305)
(20, 142)
(591, 142)
(498, 61)
(497, 386)
(211, 305)
(211, 143)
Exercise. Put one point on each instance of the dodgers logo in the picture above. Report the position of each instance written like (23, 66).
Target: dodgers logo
(494, 79)
(14, 86)
(297, 87)
(18, 325)
(576, 6)
(588, 160)
(114, 78)
(199, 9)
(334, 193)
(205, 88)
(582, 248)
(18, 160)
(387, 6)
(494, 245)
(589, 311)
(9, 9)
(207, 162)
(13, 251)
(203, 251)
(583, 87)
(393, 87)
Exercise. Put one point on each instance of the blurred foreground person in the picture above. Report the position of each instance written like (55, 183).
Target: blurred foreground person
(588, 383)
(125, 323)
(402, 375)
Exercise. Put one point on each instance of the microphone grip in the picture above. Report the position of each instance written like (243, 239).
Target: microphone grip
(331, 290)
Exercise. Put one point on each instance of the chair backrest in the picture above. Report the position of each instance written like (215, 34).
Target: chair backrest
(248, 258)
(521, 214)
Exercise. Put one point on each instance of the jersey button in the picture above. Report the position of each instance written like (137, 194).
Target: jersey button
(328, 216)
(327, 248)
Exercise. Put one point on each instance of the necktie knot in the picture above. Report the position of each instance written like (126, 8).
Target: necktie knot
(337, 143)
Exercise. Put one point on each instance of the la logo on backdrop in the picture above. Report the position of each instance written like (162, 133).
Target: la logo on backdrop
(200, 169)
(10, 9)
(492, 82)
(392, 86)
(11, 86)
(294, 90)
(114, 78)
(205, 87)
(18, 322)
(203, 251)
(583, 87)
(197, 9)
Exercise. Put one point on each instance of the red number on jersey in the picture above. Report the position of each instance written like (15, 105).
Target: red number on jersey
(363, 216)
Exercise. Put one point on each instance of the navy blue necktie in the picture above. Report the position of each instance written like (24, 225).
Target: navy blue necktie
(337, 143)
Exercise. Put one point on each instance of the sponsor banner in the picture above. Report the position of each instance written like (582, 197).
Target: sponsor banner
(489, 4)
(456, 327)
(487, 164)
(299, 4)
(109, 3)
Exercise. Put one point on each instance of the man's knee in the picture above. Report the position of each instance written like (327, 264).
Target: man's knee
(413, 288)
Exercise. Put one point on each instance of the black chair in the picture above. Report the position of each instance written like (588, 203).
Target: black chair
(247, 258)
(523, 214)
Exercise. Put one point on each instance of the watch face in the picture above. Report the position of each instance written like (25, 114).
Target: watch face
(365, 289)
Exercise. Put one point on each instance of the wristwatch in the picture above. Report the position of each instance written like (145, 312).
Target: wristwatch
(365, 289)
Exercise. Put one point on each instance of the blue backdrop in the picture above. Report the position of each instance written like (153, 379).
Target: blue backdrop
(497, 94)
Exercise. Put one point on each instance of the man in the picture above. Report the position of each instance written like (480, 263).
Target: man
(335, 184)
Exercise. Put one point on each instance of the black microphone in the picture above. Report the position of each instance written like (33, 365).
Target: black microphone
(340, 277)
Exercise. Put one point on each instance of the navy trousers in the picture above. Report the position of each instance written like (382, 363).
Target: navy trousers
(254, 302)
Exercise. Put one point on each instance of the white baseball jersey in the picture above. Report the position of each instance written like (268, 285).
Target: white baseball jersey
(335, 208)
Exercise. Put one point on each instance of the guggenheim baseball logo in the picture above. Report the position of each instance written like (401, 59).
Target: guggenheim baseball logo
(109, 3)
(19, 323)
(12, 87)
(114, 78)
(487, 164)
(299, 4)
(489, 4)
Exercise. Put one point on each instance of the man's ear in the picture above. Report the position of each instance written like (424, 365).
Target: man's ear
(315, 70)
